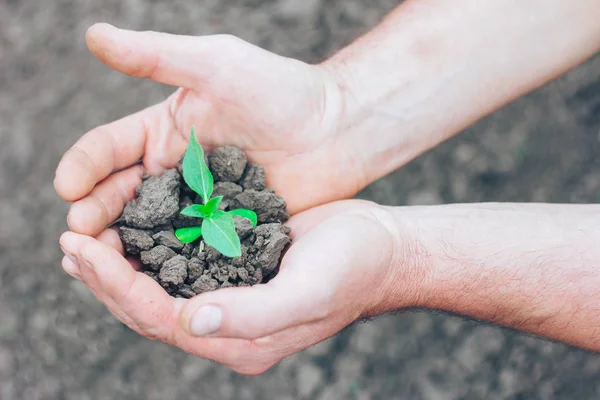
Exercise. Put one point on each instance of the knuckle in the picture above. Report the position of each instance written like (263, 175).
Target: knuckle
(252, 369)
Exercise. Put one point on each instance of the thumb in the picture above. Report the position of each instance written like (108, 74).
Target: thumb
(186, 61)
(329, 273)
(300, 293)
(250, 312)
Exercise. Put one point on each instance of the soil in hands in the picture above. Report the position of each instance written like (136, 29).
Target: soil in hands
(149, 221)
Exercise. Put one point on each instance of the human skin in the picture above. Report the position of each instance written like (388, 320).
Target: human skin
(430, 69)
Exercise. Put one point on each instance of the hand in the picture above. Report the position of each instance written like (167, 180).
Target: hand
(337, 270)
(282, 112)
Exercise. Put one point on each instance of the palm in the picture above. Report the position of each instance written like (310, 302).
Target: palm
(276, 114)
(329, 277)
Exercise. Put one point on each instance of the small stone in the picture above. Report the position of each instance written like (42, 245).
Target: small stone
(187, 250)
(227, 163)
(226, 284)
(258, 275)
(155, 257)
(268, 206)
(226, 189)
(212, 254)
(252, 249)
(201, 255)
(222, 274)
(186, 291)
(195, 268)
(173, 291)
(232, 271)
(174, 271)
(254, 178)
(243, 227)
(242, 274)
(135, 240)
(168, 238)
(275, 241)
(240, 261)
(156, 203)
(205, 284)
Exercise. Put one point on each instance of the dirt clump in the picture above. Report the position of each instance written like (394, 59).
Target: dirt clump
(149, 221)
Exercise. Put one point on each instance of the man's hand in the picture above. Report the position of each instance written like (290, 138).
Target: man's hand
(282, 112)
(338, 269)
(322, 132)
(532, 267)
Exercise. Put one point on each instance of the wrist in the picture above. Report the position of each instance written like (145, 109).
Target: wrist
(368, 133)
(420, 77)
(532, 267)
(406, 278)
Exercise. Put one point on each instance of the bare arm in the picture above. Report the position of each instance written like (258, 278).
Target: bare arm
(532, 267)
(433, 67)
(430, 69)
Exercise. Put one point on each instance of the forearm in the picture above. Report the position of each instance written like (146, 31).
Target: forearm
(434, 67)
(531, 267)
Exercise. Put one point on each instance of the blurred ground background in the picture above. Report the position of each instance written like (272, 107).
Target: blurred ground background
(57, 342)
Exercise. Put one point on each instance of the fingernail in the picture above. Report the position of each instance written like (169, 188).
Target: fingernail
(206, 320)
(70, 256)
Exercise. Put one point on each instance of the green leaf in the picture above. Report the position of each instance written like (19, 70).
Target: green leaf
(202, 211)
(244, 213)
(195, 210)
(195, 171)
(219, 232)
(212, 205)
(188, 235)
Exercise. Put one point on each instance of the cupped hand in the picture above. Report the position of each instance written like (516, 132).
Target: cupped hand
(342, 266)
(284, 113)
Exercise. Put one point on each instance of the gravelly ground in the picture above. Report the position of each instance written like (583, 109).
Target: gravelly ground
(56, 342)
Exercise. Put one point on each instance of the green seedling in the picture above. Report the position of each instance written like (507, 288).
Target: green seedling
(217, 228)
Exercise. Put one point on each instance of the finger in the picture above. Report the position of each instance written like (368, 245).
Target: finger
(177, 60)
(134, 293)
(139, 302)
(295, 296)
(104, 150)
(74, 242)
(91, 215)
(270, 350)
(111, 238)
(71, 267)
(70, 263)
